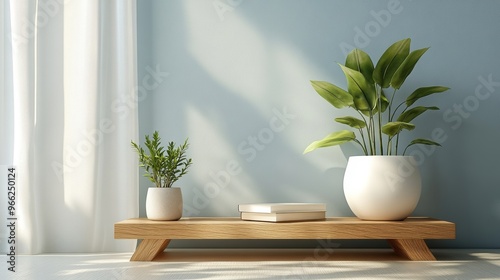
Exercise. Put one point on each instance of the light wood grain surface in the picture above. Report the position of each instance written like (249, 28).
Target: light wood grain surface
(331, 228)
(406, 237)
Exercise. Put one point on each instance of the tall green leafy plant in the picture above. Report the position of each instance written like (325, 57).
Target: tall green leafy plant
(163, 167)
(379, 121)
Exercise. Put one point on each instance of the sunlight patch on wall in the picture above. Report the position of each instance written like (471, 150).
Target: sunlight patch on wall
(313, 112)
(265, 72)
(232, 52)
(217, 169)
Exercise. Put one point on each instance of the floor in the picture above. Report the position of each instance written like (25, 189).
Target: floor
(242, 264)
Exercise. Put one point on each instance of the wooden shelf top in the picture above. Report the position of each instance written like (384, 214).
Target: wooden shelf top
(331, 228)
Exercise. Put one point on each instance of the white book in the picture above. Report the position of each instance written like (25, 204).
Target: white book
(283, 216)
(282, 207)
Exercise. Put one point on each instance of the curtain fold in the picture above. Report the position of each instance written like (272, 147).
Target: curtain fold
(73, 67)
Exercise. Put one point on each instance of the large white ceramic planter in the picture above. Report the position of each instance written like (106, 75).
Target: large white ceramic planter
(382, 187)
(164, 204)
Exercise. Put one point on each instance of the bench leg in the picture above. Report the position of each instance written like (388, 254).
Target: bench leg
(148, 249)
(413, 249)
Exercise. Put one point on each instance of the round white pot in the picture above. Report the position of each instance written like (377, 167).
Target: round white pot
(382, 187)
(164, 204)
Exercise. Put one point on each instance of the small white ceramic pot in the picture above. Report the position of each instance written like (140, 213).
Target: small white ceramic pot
(164, 204)
(382, 187)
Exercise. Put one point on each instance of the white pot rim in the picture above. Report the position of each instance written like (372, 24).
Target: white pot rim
(164, 188)
(381, 156)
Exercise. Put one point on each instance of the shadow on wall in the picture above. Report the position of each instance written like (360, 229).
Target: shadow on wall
(238, 87)
(239, 139)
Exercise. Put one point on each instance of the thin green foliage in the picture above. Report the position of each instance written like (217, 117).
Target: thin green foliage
(163, 167)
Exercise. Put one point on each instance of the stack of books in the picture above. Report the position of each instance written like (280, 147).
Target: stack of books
(282, 212)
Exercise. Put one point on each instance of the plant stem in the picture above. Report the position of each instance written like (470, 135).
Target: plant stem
(397, 143)
(397, 136)
(389, 146)
(371, 137)
(395, 110)
(379, 94)
(374, 135)
(368, 132)
(362, 147)
(389, 119)
(404, 152)
(390, 106)
(364, 141)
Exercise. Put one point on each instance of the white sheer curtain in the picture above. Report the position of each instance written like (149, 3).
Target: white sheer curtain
(69, 112)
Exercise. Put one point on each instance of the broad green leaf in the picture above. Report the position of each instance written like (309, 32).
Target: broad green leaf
(422, 92)
(360, 61)
(409, 115)
(384, 102)
(393, 128)
(406, 67)
(421, 142)
(390, 61)
(332, 139)
(333, 94)
(363, 93)
(352, 122)
(424, 142)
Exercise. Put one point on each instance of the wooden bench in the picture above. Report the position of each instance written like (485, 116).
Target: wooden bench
(405, 237)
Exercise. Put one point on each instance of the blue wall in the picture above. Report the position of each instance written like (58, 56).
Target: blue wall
(233, 76)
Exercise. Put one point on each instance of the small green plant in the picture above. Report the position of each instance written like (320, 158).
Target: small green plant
(163, 167)
(366, 94)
